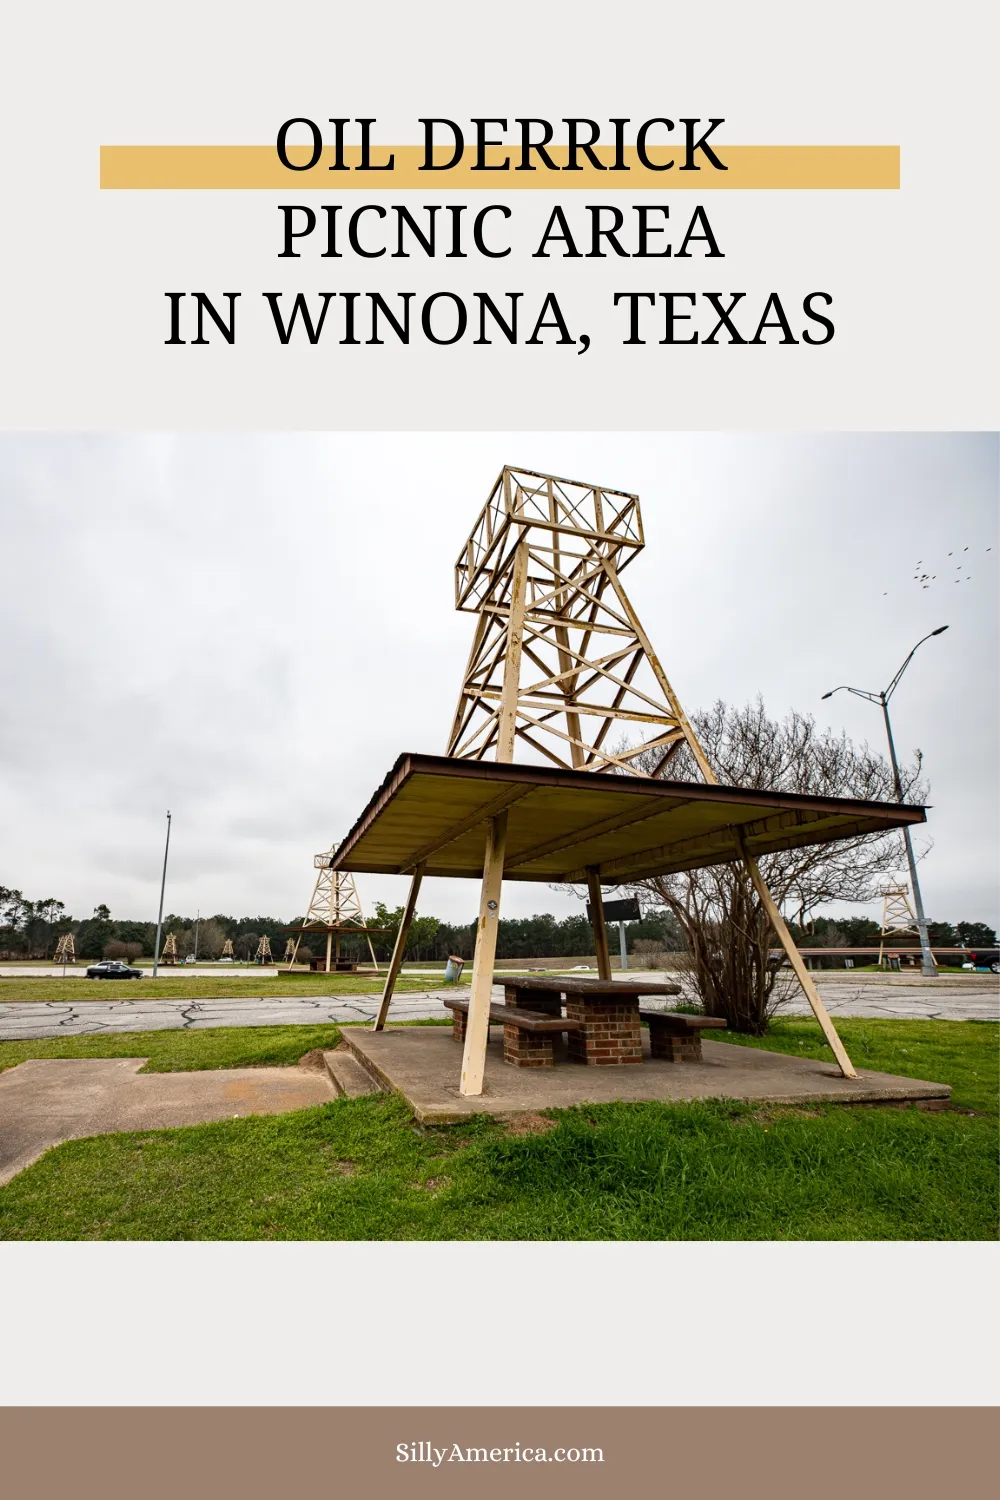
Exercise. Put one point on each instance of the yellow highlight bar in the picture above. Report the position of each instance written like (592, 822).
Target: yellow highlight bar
(242, 167)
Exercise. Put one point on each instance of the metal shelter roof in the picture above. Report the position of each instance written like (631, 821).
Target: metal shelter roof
(434, 808)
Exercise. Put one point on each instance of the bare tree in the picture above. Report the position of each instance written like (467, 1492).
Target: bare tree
(246, 945)
(211, 938)
(128, 951)
(729, 937)
(652, 954)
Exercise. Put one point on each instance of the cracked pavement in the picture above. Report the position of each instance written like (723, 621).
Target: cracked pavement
(958, 998)
(34, 1019)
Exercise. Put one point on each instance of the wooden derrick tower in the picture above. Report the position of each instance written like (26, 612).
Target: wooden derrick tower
(263, 954)
(899, 920)
(169, 954)
(560, 667)
(65, 950)
(334, 910)
(227, 949)
(559, 657)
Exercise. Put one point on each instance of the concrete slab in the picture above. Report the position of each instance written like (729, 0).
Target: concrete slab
(423, 1064)
(43, 1103)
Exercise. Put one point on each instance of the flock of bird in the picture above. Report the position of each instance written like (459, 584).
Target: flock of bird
(926, 579)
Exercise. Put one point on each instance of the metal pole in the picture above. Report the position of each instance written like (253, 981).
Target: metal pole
(196, 921)
(928, 967)
(163, 886)
(622, 945)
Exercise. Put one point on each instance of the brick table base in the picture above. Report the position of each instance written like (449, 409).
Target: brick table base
(609, 1032)
(527, 1049)
(673, 1048)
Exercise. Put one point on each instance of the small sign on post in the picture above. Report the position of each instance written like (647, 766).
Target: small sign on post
(618, 911)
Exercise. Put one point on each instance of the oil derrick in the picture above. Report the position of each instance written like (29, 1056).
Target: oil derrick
(334, 911)
(559, 656)
(65, 950)
(899, 920)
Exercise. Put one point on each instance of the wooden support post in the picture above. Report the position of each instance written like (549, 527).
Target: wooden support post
(329, 944)
(801, 972)
(570, 678)
(598, 924)
(477, 1032)
(512, 661)
(399, 947)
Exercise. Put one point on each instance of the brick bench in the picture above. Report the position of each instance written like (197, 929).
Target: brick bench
(527, 1034)
(604, 1013)
(675, 1037)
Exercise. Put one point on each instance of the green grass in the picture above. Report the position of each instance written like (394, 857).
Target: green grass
(200, 987)
(185, 1051)
(361, 1169)
(904, 970)
(962, 1053)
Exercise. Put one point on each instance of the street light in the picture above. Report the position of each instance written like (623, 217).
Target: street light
(928, 966)
(163, 886)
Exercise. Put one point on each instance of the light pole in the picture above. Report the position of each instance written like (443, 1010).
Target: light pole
(163, 886)
(928, 966)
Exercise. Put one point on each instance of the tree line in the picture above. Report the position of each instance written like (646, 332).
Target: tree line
(31, 930)
(856, 932)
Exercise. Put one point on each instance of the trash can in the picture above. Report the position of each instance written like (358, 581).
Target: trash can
(453, 969)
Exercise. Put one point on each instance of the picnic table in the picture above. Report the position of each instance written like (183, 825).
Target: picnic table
(602, 1021)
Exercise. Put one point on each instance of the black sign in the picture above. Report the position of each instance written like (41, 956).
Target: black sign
(618, 911)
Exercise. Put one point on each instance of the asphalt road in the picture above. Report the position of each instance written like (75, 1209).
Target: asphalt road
(956, 998)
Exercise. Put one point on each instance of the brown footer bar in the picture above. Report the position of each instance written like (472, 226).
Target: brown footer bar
(144, 1453)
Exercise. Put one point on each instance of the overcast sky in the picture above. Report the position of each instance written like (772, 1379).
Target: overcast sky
(249, 629)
